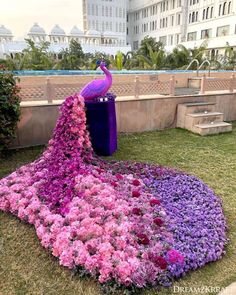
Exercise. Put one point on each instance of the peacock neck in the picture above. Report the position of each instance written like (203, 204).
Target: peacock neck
(108, 75)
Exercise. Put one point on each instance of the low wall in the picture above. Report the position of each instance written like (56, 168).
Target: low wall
(181, 78)
(133, 115)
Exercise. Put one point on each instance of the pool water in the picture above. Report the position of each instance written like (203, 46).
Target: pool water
(98, 72)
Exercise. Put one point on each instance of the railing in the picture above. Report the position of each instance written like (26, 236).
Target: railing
(53, 92)
(209, 66)
(200, 66)
(191, 63)
(217, 84)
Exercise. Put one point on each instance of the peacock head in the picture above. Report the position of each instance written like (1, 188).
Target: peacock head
(101, 63)
(98, 62)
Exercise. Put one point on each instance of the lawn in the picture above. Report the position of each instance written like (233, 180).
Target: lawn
(26, 268)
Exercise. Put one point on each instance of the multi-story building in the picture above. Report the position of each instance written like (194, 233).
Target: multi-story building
(107, 18)
(112, 25)
(189, 22)
(163, 20)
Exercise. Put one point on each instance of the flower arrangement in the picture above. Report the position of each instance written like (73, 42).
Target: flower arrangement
(130, 225)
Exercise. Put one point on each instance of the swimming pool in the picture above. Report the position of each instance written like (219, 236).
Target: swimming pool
(98, 72)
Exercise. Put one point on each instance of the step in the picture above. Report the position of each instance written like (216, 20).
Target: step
(191, 108)
(202, 118)
(186, 91)
(215, 128)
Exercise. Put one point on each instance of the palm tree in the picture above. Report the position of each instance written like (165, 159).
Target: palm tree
(155, 59)
(230, 57)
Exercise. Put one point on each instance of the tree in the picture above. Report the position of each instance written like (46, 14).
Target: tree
(72, 58)
(179, 57)
(230, 57)
(119, 58)
(9, 106)
(154, 60)
(37, 57)
(149, 42)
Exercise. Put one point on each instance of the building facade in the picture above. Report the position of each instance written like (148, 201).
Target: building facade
(189, 22)
(91, 40)
(112, 25)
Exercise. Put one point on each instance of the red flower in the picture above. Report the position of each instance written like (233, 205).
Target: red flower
(137, 211)
(154, 202)
(158, 221)
(160, 261)
(136, 182)
(143, 239)
(114, 184)
(119, 176)
(135, 194)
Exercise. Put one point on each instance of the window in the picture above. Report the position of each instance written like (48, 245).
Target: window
(212, 12)
(192, 36)
(222, 31)
(178, 19)
(206, 33)
(229, 7)
(171, 39)
(135, 45)
(163, 40)
(190, 18)
(207, 13)
(224, 9)
(177, 38)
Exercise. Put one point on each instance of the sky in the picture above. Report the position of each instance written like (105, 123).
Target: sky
(20, 15)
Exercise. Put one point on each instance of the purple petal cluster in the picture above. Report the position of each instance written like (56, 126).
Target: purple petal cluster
(195, 212)
(134, 224)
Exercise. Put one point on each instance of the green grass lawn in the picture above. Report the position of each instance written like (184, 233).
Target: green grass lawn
(26, 268)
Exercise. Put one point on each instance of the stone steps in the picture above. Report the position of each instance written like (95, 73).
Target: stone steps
(214, 128)
(201, 118)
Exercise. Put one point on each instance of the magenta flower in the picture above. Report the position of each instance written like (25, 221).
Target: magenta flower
(135, 194)
(154, 202)
(136, 182)
(143, 239)
(158, 221)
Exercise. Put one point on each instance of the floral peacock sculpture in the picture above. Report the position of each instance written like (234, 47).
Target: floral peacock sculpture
(97, 88)
(129, 225)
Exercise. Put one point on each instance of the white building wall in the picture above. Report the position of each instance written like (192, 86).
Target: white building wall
(200, 20)
(159, 19)
(106, 16)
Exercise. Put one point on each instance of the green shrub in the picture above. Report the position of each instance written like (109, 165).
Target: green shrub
(9, 107)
